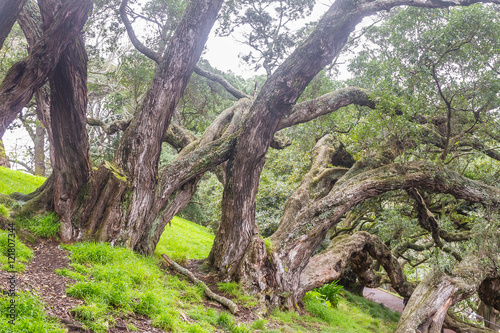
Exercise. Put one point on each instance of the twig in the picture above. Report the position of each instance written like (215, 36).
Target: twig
(210, 294)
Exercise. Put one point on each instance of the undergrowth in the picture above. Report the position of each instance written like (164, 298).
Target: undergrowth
(31, 316)
(21, 255)
(43, 226)
(117, 282)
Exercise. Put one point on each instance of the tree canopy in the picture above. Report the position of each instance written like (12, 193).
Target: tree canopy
(396, 166)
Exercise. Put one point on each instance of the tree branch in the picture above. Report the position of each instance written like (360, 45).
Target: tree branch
(325, 104)
(220, 80)
(133, 38)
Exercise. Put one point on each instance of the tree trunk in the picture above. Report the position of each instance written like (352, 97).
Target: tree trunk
(427, 308)
(40, 150)
(4, 160)
(28, 75)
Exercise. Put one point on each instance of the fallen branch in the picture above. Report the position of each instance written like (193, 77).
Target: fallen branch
(210, 294)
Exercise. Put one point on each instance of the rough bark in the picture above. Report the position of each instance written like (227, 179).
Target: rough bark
(427, 308)
(9, 10)
(330, 264)
(28, 75)
(238, 229)
(454, 323)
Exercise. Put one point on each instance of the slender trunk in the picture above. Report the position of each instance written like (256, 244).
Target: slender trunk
(40, 150)
(4, 160)
(9, 10)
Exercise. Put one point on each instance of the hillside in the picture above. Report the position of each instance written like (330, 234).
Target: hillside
(111, 289)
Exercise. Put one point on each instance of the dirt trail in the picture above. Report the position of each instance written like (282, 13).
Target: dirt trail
(392, 302)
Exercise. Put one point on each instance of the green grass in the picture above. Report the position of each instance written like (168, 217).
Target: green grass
(22, 253)
(184, 240)
(44, 226)
(234, 289)
(356, 315)
(17, 181)
(116, 282)
(31, 316)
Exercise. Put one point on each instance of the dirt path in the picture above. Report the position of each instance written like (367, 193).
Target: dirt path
(392, 302)
(40, 278)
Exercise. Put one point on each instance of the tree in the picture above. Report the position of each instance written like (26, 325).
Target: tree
(129, 200)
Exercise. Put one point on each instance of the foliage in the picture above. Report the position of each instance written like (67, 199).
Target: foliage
(4, 211)
(330, 293)
(31, 315)
(16, 181)
(271, 37)
(44, 226)
(22, 253)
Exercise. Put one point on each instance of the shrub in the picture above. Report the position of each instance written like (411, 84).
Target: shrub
(331, 293)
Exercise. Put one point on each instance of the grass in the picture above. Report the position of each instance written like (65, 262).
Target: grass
(16, 181)
(353, 314)
(31, 317)
(22, 253)
(43, 226)
(116, 282)
(184, 240)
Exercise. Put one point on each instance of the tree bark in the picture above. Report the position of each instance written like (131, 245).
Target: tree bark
(427, 308)
(9, 10)
(28, 75)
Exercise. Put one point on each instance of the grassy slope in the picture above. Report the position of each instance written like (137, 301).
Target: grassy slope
(16, 181)
(114, 282)
(186, 240)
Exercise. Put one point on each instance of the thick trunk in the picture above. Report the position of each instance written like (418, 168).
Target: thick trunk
(68, 108)
(140, 147)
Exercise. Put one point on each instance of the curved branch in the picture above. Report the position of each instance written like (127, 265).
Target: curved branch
(325, 104)
(330, 264)
(133, 38)
(220, 80)
(116, 126)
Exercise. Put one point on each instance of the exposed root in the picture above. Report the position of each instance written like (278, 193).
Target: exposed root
(210, 294)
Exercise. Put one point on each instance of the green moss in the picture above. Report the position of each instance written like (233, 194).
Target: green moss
(269, 247)
(116, 171)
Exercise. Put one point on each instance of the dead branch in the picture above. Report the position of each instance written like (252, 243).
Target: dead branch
(210, 294)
